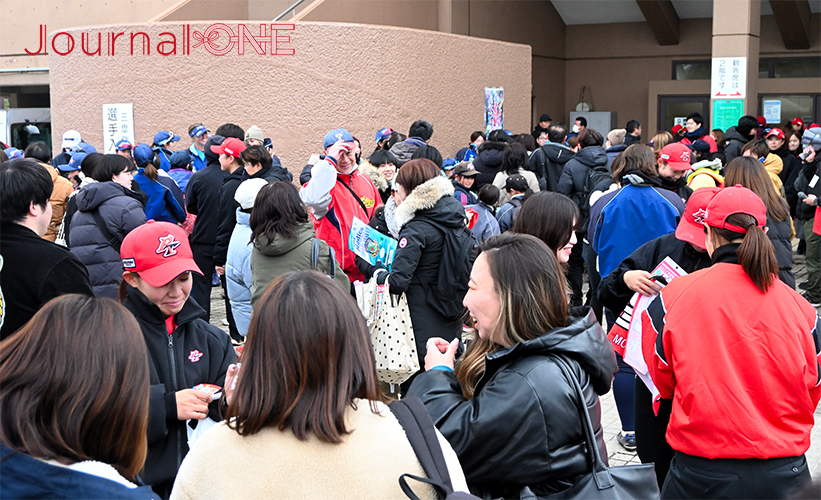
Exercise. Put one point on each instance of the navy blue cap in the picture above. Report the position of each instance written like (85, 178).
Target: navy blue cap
(84, 147)
(123, 145)
(180, 159)
(336, 135)
(195, 132)
(74, 163)
(164, 137)
(143, 154)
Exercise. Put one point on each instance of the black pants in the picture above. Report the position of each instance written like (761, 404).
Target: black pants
(575, 273)
(697, 477)
(229, 314)
(651, 430)
(201, 289)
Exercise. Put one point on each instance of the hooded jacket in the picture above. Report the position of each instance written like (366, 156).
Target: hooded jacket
(548, 163)
(574, 181)
(733, 143)
(488, 162)
(58, 200)
(613, 152)
(522, 428)
(121, 212)
(272, 258)
(706, 173)
(623, 220)
(415, 267)
(773, 165)
(194, 353)
(486, 224)
(27, 477)
(238, 277)
(405, 149)
(379, 181)
(202, 200)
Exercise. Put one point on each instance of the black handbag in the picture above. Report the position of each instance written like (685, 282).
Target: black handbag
(610, 483)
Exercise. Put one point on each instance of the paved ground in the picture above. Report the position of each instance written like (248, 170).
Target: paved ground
(610, 416)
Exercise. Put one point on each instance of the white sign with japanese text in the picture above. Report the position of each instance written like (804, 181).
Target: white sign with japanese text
(729, 78)
(118, 124)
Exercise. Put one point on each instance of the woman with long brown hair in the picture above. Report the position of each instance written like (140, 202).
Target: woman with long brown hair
(505, 406)
(74, 403)
(749, 173)
(306, 419)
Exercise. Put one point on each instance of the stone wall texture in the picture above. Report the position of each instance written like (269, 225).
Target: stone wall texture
(360, 77)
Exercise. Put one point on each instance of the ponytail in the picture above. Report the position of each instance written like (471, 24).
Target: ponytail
(756, 253)
(150, 171)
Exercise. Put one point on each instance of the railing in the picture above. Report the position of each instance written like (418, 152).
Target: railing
(292, 9)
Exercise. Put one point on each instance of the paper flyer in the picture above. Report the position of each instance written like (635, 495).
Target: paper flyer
(370, 244)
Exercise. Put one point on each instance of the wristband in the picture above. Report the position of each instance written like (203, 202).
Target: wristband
(444, 368)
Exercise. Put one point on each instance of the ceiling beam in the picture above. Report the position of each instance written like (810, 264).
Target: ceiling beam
(793, 20)
(663, 20)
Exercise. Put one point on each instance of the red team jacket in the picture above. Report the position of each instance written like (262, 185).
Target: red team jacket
(741, 366)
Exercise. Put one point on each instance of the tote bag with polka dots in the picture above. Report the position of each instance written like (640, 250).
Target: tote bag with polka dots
(389, 322)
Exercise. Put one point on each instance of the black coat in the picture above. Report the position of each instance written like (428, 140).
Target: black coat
(802, 184)
(173, 366)
(488, 162)
(780, 234)
(574, 178)
(733, 143)
(522, 428)
(415, 267)
(615, 295)
(788, 174)
(32, 272)
(227, 215)
(202, 200)
(548, 162)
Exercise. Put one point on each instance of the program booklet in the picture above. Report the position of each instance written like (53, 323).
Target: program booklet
(370, 244)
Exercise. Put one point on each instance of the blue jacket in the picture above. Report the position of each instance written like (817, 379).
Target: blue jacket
(238, 272)
(197, 158)
(181, 177)
(626, 219)
(507, 214)
(161, 204)
(27, 477)
(486, 224)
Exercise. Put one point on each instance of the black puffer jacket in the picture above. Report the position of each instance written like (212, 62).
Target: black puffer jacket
(780, 234)
(734, 142)
(202, 200)
(121, 212)
(488, 162)
(521, 428)
(802, 185)
(227, 215)
(548, 163)
(575, 174)
(615, 295)
(415, 267)
(788, 174)
(195, 353)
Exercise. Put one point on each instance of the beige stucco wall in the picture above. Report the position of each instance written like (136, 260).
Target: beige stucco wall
(355, 76)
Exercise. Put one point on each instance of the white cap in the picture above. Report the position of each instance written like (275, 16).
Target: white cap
(70, 139)
(247, 192)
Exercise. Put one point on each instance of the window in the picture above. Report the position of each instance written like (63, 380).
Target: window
(790, 105)
(792, 67)
(692, 70)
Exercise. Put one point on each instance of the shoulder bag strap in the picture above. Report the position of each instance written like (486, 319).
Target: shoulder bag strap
(112, 240)
(415, 419)
(599, 470)
(315, 254)
(357, 198)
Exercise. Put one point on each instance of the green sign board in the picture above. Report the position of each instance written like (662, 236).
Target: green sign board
(727, 112)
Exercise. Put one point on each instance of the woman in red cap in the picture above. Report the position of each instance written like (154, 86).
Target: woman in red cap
(183, 349)
(742, 370)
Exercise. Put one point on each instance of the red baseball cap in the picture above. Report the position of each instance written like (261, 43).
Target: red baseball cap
(691, 226)
(797, 121)
(776, 132)
(230, 146)
(677, 155)
(158, 252)
(735, 200)
(676, 129)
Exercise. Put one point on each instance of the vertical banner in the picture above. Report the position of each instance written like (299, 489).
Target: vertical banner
(729, 78)
(494, 109)
(118, 124)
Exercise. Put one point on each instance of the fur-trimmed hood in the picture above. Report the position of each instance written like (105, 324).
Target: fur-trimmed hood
(424, 197)
(373, 174)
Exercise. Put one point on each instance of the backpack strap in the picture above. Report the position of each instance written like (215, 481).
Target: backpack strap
(315, 258)
(112, 240)
(415, 419)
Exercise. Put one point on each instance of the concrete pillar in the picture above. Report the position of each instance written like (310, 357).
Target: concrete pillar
(736, 33)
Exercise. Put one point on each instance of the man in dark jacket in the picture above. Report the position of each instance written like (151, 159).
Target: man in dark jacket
(736, 137)
(633, 136)
(542, 126)
(32, 270)
(548, 161)
(419, 134)
(202, 200)
(585, 173)
(807, 182)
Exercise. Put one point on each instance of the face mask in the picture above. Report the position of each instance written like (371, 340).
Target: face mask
(575, 129)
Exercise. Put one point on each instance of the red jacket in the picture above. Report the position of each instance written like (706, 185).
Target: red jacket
(742, 366)
(333, 215)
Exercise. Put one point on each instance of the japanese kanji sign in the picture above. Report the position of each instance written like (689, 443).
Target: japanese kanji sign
(729, 78)
(118, 124)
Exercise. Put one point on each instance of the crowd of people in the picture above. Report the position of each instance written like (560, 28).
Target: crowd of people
(115, 384)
